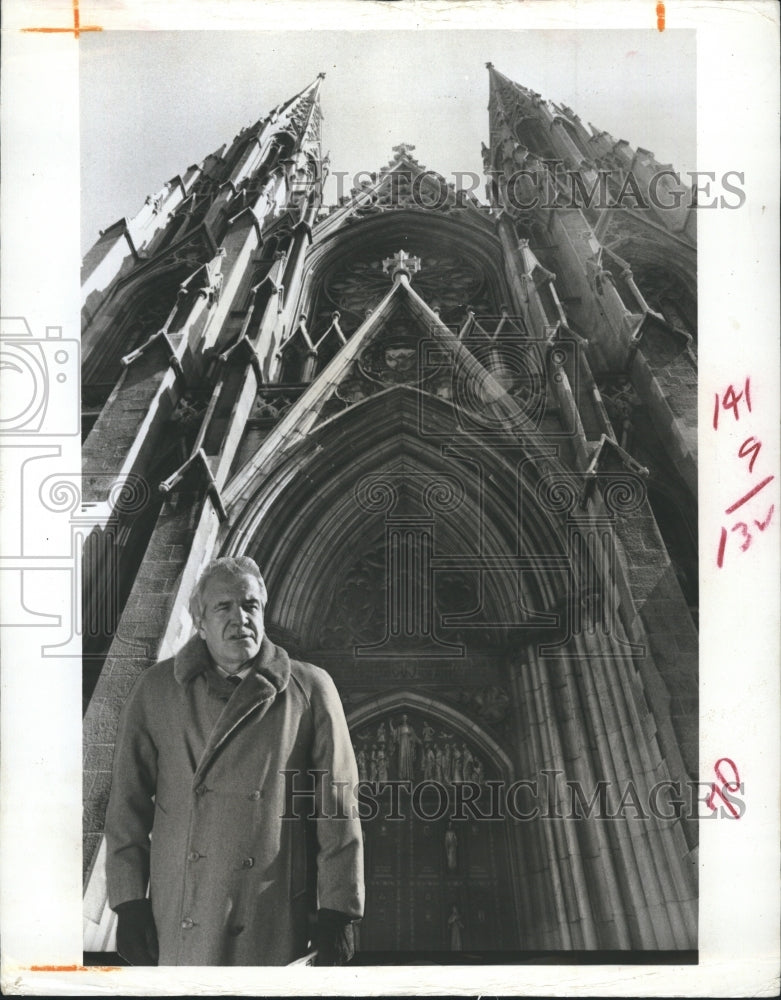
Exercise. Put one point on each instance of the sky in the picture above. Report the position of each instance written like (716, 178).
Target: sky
(154, 102)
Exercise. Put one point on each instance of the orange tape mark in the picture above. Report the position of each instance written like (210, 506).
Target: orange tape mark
(660, 16)
(75, 968)
(76, 29)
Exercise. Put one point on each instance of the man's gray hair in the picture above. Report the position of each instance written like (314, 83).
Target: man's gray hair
(227, 566)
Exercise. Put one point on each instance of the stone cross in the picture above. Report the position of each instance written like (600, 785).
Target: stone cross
(401, 261)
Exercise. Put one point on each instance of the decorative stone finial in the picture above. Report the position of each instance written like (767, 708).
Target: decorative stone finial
(401, 263)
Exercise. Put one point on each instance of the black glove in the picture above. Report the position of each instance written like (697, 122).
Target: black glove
(334, 938)
(136, 932)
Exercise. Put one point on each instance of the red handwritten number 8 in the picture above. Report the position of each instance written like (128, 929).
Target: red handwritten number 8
(731, 786)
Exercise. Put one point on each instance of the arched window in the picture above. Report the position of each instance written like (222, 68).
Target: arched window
(531, 133)
(667, 293)
(293, 366)
(138, 314)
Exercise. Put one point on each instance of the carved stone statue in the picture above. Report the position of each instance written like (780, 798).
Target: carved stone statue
(457, 767)
(382, 764)
(360, 759)
(455, 926)
(451, 848)
(405, 739)
(468, 765)
(439, 757)
(373, 764)
(447, 762)
(429, 764)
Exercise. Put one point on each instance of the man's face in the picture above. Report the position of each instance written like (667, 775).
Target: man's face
(232, 619)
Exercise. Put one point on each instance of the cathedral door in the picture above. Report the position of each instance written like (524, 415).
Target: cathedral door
(435, 881)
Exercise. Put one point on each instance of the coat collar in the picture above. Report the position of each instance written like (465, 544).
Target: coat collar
(268, 677)
(271, 662)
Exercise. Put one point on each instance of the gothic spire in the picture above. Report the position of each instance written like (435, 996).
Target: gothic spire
(301, 113)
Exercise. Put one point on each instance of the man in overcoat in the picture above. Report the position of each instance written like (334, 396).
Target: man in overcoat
(213, 855)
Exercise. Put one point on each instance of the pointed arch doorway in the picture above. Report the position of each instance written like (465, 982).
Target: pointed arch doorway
(440, 877)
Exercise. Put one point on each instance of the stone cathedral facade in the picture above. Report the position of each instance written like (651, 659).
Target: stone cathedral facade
(460, 440)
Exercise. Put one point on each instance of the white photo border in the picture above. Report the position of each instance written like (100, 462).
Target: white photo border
(737, 77)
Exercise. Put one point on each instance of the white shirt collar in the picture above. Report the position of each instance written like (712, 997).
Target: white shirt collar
(239, 673)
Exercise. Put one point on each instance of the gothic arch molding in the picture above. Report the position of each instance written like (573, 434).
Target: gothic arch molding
(460, 238)
(304, 529)
(447, 714)
(127, 317)
(181, 257)
(664, 256)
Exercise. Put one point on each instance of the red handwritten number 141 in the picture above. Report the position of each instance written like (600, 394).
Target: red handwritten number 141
(731, 401)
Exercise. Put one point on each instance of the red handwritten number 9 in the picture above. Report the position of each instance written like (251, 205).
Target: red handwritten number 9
(731, 786)
(747, 448)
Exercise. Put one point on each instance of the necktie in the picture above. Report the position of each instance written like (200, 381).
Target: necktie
(233, 680)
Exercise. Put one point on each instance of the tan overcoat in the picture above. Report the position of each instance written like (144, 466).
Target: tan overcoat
(201, 810)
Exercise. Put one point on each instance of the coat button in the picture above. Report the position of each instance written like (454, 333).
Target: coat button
(254, 795)
(187, 923)
(201, 790)
(193, 856)
(248, 863)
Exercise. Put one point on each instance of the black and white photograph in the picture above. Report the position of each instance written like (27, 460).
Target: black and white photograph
(402, 457)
